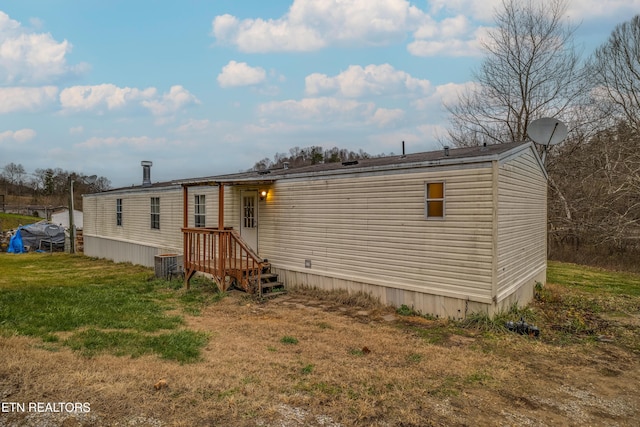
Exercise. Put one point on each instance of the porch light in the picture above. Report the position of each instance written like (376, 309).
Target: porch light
(263, 194)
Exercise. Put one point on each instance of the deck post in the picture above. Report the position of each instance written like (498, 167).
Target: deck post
(185, 224)
(221, 236)
(220, 206)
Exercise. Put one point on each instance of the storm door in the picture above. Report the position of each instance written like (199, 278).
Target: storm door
(249, 218)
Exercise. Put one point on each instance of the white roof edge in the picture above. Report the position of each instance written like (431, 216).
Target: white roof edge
(515, 151)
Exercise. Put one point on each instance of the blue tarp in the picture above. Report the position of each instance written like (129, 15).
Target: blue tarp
(15, 244)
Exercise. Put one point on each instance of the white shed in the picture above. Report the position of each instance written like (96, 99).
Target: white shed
(446, 233)
(61, 218)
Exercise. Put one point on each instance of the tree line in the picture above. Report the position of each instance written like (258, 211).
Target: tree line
(532, 69)
(49, 186)
(298, 157)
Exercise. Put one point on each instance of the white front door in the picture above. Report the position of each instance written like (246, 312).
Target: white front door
(249, 218)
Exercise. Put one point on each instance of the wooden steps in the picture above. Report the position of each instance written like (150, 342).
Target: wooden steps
(269, 284)
(226, 256)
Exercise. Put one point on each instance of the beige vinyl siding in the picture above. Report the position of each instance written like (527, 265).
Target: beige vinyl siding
(522, 223)
(373, 229)
(100, 212)
(211, 205)
(135, 241)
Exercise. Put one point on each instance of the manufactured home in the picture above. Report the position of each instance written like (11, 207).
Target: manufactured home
(448, 232)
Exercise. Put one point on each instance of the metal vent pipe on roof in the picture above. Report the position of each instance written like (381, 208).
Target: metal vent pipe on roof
(146, 173)
(446, 151)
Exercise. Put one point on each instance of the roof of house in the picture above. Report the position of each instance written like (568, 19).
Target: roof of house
(443, 156)
(440, 157)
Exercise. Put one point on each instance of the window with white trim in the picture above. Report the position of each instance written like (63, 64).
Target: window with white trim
(119, 212)
(199, 210)
(249, 212)
(434, 200)
(155, 213)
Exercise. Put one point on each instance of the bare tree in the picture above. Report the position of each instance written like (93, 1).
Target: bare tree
(531, 70)
(615, 73)
(14, 174)
(602, 184)
(101, 184)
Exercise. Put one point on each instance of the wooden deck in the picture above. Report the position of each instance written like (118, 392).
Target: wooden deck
(224, 255)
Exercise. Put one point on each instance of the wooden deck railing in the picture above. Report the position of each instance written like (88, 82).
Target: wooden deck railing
(223, 254)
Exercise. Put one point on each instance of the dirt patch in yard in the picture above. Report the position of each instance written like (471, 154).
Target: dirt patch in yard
(306, 360)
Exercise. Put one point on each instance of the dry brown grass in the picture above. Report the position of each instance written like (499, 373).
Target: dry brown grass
(250, 377)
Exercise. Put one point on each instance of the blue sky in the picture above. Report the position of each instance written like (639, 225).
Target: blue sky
(210, 87)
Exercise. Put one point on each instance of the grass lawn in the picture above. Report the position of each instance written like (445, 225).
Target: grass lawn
(12, 221)
(93, 306)
(581, 304)
(78, 329)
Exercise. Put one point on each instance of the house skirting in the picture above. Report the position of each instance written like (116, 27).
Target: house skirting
(425, 303)
(124, 251)
(522, 293)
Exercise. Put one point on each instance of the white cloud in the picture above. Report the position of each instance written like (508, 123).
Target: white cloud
(21, 135)
(311, 25)
(445, 48)
(478, 10)
(455, 36)
(177, 98)
(384, 117)
(193, 125)
(447, 94)
(446, 28)
(26, 98)
(99, 97)
(137, 142)
(76, 130)
(240, 74)
(225, 26)
(109, 97)
(598, 9)
(318, 109)
(432, 132)
(32, 58)
(374, 80)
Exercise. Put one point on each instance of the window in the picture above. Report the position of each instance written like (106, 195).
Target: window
(155, 213)
(249, 212)
(199, 211)
(434, 200)
(119, 212)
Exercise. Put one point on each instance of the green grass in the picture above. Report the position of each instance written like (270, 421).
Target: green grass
(202, 292)
(288, 340)
(12, 221)
(593, 280)
(107, 307)
(579, 304)
(183, 345)
(497, 323)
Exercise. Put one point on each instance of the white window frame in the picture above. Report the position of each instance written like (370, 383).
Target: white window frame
(119, 212)
(199, 210)
(155, 213)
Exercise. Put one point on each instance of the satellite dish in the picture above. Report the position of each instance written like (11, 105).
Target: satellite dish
(547, 131)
